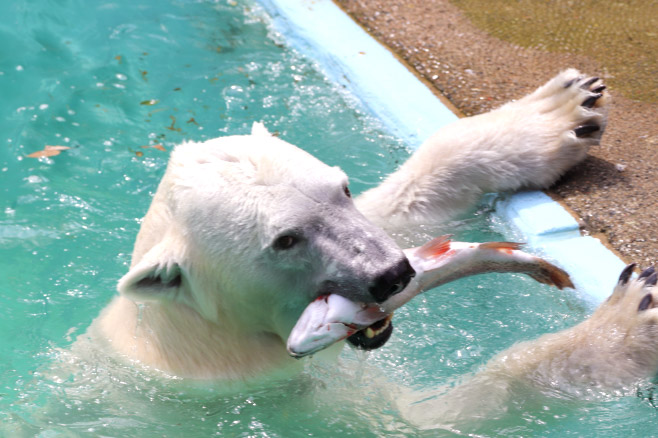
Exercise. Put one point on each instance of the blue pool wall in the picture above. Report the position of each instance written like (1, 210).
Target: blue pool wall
(410, 110)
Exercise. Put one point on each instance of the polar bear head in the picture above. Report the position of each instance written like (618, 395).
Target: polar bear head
(247, 230)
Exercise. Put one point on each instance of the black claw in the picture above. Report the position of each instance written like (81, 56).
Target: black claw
(590, 101)
(570, 82)
(599, 89)
(626, 273)
(584, 130)
(647, 273)
(589, 82)
(652, 280)
(645, 303)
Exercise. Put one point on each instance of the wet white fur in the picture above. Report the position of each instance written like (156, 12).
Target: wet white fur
(236, 327)
(608, 353)
(528, 143)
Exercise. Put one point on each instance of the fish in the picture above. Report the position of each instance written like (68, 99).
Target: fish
(332, 318)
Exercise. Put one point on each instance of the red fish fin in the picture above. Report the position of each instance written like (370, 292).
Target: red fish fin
(501, 245)
(435, 247)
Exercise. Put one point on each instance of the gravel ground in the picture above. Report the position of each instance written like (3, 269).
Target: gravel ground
(613, 192)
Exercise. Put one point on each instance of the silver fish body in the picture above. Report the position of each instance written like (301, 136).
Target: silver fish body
(332, 318)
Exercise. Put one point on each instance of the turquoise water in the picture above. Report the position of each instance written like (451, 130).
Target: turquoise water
(121, 83)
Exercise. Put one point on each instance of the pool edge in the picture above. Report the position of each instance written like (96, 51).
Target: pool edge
(410, 109)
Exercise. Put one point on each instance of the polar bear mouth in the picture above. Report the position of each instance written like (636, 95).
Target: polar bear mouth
(373, 336)
(332, 318)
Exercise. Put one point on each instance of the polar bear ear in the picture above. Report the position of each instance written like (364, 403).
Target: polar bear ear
(258, 128)
(158, 276)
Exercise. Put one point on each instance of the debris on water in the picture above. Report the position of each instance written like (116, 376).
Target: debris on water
(172, 127)
(155, 146)
(48, 151)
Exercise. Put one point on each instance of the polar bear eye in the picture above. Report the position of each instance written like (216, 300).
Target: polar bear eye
(347, 192)
(285, 242)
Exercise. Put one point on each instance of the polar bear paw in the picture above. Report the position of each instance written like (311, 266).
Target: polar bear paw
(618, 345)
(636, 293)
(578, 99)
(563, 119)
(629, 319)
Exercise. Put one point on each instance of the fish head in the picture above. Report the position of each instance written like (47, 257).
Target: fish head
(330, 319)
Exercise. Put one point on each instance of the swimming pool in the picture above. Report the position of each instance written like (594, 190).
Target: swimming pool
(120, 83)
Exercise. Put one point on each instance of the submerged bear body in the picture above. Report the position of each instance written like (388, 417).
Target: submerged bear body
(245, 231)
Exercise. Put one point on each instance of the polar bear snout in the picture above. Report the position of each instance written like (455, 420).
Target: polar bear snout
(392, 281)
(381, 285)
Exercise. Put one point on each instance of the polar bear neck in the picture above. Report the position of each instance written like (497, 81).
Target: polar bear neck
(151, 333)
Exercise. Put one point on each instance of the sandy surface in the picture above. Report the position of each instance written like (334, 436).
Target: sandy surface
(614, 192)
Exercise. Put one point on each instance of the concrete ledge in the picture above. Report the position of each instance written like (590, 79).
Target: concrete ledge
(536, 214)
(550, 230)
(351, 57)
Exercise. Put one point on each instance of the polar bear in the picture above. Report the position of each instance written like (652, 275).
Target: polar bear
(525, 144)
(244, 231)
(612, 352)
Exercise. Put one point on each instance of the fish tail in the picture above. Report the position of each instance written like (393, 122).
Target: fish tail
(547, 273)
(552, 275)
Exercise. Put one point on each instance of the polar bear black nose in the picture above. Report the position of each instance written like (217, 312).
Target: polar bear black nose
(392, 281)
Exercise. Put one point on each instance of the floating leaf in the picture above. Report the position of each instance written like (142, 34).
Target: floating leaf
(155, 146)
(192, 121)
(139, 153)
(44, 153)
(144, 73)
(149, 102)
(48, 151)
(118, 58)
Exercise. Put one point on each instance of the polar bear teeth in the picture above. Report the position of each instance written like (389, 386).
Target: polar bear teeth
(378, 327)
